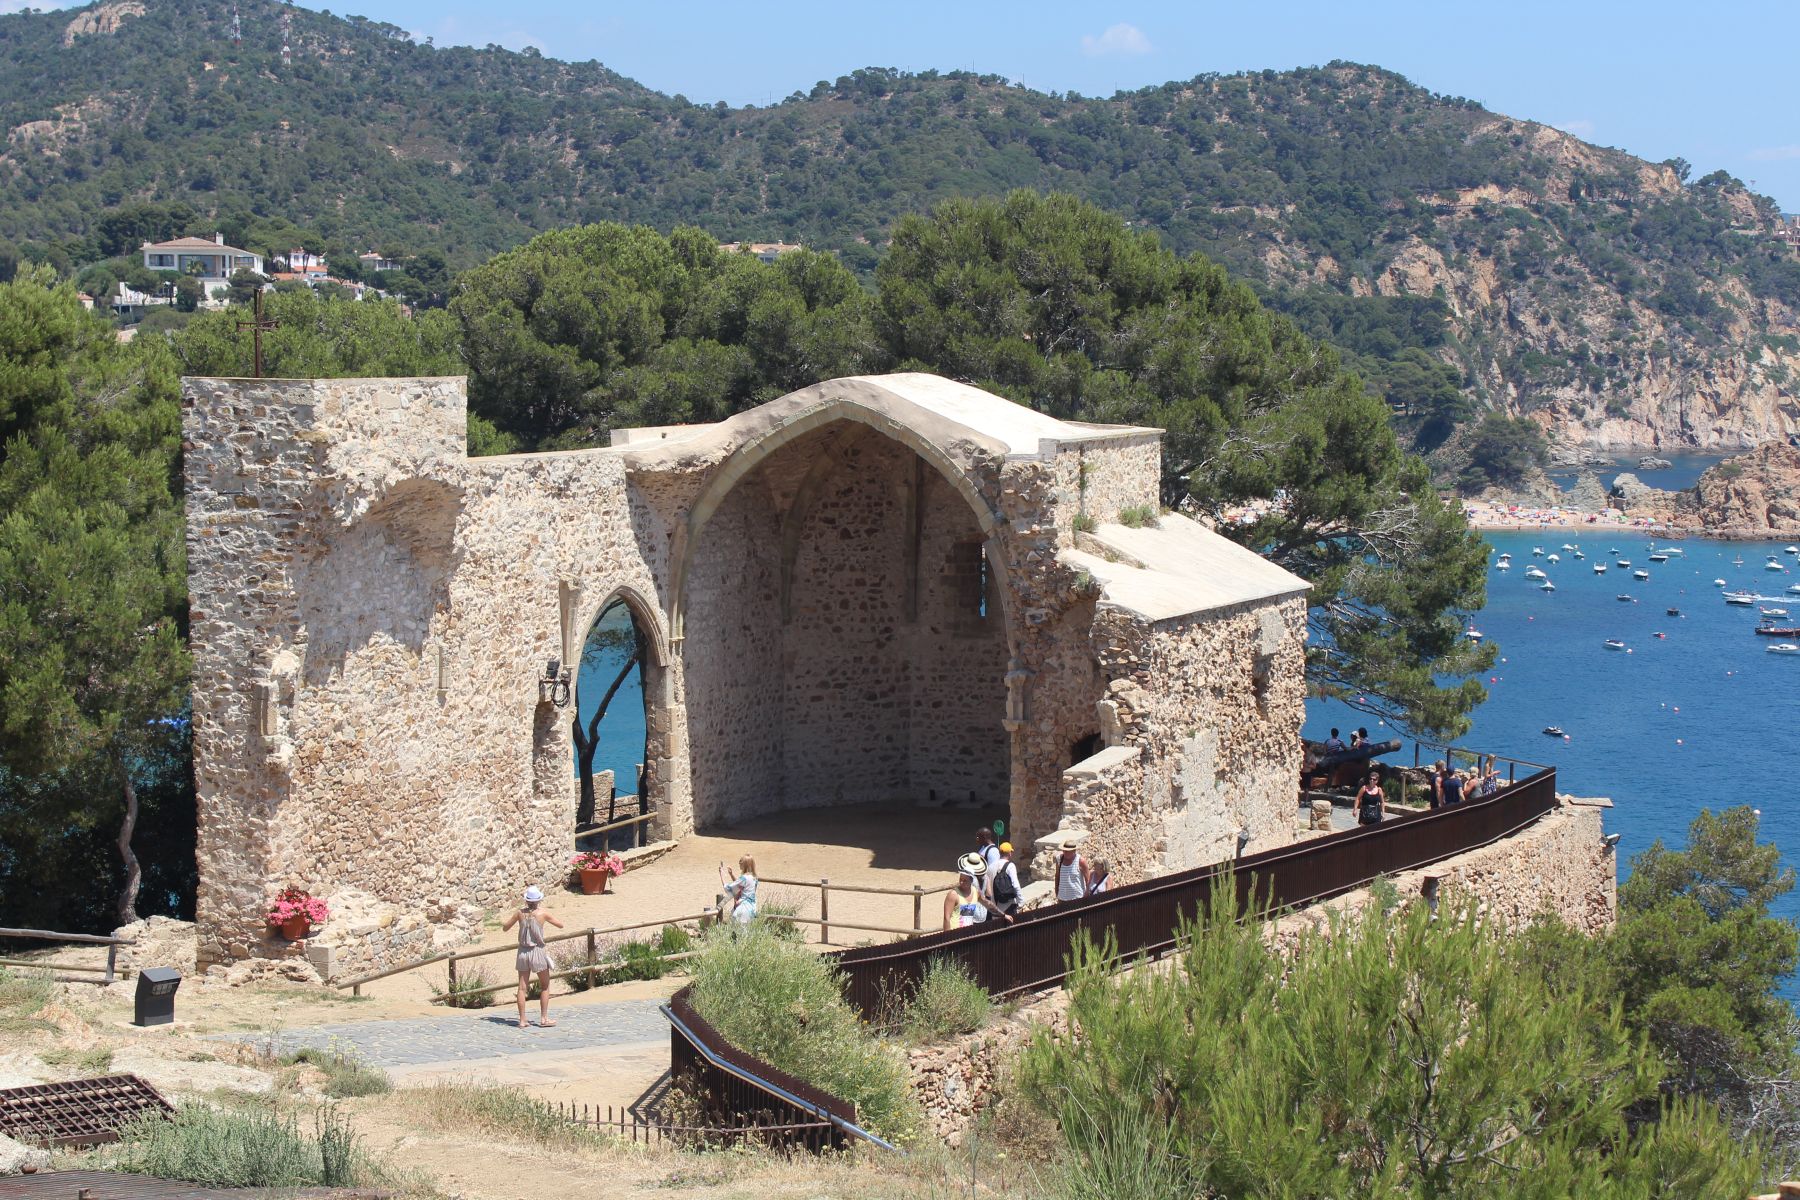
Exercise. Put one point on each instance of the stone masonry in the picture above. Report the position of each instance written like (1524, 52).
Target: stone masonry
(892, 589)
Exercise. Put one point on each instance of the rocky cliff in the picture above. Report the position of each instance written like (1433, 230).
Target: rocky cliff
(1754, 493)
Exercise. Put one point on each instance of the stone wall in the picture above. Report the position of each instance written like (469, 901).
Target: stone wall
(1212, 700)
(859, 613)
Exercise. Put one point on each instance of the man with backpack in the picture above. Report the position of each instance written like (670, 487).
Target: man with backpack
(1003, 885)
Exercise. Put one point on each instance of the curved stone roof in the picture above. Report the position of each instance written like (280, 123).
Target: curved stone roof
(960, 420)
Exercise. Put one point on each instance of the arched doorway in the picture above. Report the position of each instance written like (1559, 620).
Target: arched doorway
(618, 680)
(844, 629)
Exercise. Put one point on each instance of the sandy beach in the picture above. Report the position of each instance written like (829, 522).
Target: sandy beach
(1488, 514)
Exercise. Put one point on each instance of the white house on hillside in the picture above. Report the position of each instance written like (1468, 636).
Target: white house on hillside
(376, 262)
(214, 259)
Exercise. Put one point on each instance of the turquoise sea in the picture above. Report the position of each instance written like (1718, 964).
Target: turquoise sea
(1702, 717)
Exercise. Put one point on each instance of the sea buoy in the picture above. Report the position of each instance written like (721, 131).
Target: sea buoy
(1566, 738)
(1678, 741)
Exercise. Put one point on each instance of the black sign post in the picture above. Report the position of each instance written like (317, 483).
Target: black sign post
(156, 996)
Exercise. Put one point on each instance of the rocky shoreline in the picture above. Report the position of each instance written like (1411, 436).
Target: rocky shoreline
(1752, 497)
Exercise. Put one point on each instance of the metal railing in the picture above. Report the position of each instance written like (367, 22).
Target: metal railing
(740, 1089)
(1144, 918)
(109, 972)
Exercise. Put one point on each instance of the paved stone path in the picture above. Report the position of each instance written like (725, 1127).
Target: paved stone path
(490, 1033)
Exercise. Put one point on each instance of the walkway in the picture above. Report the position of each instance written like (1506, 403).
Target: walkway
(485, 1034)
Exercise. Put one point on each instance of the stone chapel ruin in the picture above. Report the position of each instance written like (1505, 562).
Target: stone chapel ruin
(881, 590)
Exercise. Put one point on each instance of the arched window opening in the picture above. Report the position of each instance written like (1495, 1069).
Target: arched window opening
(609, 726)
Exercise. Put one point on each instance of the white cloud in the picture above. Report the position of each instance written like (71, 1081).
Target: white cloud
(1776, 153)
(1118, 39)
(1581, 127)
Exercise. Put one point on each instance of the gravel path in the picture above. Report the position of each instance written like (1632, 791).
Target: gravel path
(492, 1033)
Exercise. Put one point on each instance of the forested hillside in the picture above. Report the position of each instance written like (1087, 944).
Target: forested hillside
(1461, 258)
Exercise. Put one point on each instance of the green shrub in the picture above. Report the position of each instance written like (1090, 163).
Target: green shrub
(345, 1075)
(947, 1003)
(784, 1004)
(1137, 516)
(1083, 523)
(770, 907)
(466, 990)
(248, 1148)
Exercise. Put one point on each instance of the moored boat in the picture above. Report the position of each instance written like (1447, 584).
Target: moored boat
(1640, 575)
(1553, 730)
(1554, 558)
(1659, 558)
(1535, 573)
(1624, 598)
(1784, 648)
(1614, 644)
(1778, 630)
(1623, 562)
(1599, 568)
(1773, 612)
(1674, 612)
(1546, 586)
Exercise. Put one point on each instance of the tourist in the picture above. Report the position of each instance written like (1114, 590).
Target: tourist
(990, 856)
(1334, 744)
(963, 904)
(1003, 886)
(1453, 787)
(1370, 800)
(742, 890)
(533, 958)
(1360, 738)
(1100, 877)
(1437, 784)
(1071, 872)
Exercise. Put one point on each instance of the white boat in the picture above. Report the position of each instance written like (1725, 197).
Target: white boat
(1718, 583)
(1659, 558)
(1794, 589)
(1738, 561)
(1579, 554)
(1614, 644)
(1473, 634)
(1546, 586)
(1534, 573)
(1793, 549)
(1744, 599)
(1503, 565)
(1505, 554)
(1537, 552)
(1671, 550)
(1784, 648)
(1568, 545)
(1599, 568)
(1640, 575)
(1623, 562)
(1772, 565)
(1774, 612)
(1554, 558)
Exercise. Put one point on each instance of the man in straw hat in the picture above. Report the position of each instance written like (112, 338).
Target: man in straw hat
(965, 904)
(1071, 870)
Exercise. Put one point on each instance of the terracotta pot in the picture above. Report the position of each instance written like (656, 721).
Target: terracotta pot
(295, 928)
(594, 880)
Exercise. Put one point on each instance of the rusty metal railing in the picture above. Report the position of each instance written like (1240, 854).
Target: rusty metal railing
(1144, 918)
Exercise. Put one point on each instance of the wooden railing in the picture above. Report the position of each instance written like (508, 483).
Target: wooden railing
(917, 893)
(112, 944)
(454, 957)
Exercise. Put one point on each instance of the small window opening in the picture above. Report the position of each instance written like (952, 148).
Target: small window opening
(1087, 747)
(969, 576)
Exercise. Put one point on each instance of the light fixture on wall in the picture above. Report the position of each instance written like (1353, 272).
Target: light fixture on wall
(553, 688)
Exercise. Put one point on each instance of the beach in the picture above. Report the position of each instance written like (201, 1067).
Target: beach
(1490, 514)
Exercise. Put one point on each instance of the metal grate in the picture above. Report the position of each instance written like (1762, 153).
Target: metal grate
(85, 1112)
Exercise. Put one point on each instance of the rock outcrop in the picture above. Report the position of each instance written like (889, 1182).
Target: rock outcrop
(1635, 498)
(1587, 494)
(1754, 493)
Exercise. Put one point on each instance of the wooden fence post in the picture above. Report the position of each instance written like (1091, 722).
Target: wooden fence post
(918, 909)
(593, 951)
(825, 912)
(112, 960)
(451, 991)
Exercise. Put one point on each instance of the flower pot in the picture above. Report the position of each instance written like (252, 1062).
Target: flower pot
(295, 928)
(594, 880)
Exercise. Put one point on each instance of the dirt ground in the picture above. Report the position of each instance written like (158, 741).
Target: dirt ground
(868, 846)
(895, 847)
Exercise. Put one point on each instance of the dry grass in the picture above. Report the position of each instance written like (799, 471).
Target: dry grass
(500, 1112)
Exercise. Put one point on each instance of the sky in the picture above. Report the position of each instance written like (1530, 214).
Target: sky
(1711, 83)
